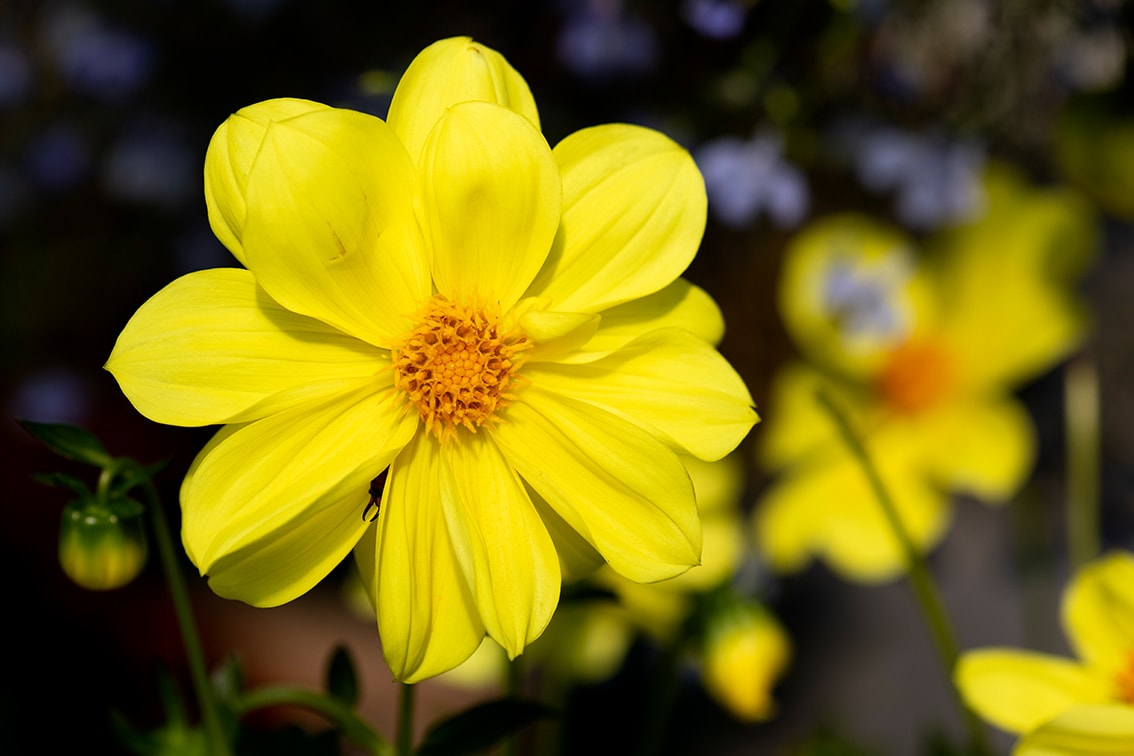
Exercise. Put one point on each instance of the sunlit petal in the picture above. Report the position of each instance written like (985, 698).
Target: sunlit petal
(633, 215)
(213, 347)
(508, 556)
(669, 381)
(427, 614)
(625, 492)
(1083, 731)
(491, 203)
(448, 72)
(330, 230)
(1098, 612)
(270, 507)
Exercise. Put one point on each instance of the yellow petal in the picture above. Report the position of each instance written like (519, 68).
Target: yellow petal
(1020, 690)
(270, 507)
(679, 305)
(577, 558)
(668, 381)
(746, 652)
(212, 347)
(795, 424)
(1098, 612)
(427, 615)
(633, 215)
(229, 158)
(826, 508)
(621, 489)
(491, 203)
(984, 448)
(331, 231)
(1083, 731)
(1014, 266)
(503, 546)
(448, 72)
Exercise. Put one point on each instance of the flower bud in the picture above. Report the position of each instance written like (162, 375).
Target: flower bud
(745, 653)
(100, 549)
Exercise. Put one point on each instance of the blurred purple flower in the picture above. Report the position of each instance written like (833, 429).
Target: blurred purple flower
(936, 181)
(599, 41)
(719, 19)
(743, 178)
(153, 163)
(56, 395)
(863, 300)
(58, 158)
(95, 57)
(15, 75)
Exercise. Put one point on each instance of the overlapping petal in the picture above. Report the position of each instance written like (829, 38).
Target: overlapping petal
(229, 158)
(1020, 690)
(213, 347)
(633, 214)
(1104, 730)
(507, 555)
(270, 507)
(330, 230)
(491, 201)
(448, 72)
(1098, 612)
(668, 381)
(427, 615)
(620, 488)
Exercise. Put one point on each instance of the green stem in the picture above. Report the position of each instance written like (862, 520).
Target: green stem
(659, 704)
(405, 721)
(214, 731)
(349, 725)
(1081, 415)
(924, 588)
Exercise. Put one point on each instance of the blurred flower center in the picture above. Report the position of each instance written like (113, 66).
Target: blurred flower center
(1124, 680)
(456, 366)
(915, 376)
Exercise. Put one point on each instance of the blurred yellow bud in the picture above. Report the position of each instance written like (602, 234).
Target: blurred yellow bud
(99, 549)
(746, 651)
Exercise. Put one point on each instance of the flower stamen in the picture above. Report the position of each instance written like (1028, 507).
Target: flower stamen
(1124, 680)
(457, 365)
(915, 376)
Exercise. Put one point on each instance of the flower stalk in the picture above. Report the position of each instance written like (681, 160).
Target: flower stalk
(1081, 415)
(405, 720)
(921, 581)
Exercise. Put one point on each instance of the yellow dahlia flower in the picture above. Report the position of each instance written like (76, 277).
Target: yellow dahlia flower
(496, 325)
(1061, 705)
(923, 353)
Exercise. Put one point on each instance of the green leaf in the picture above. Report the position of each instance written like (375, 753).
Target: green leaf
(482, 726)
(69, 441)
(342, 680)
(63, 480)
(135, 476)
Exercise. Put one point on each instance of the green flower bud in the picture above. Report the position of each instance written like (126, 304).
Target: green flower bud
(100, 549)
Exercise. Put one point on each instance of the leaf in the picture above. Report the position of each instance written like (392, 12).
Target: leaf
(69, 441)
(342, 680)
(63, 480)
(482, 726)
(135, 476)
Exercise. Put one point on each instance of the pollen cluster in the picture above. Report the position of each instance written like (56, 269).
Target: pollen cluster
(457, 365)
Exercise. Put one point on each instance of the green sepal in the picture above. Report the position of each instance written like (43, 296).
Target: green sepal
(482, 726)
(64, 480)
(342, 680)
(69, 441)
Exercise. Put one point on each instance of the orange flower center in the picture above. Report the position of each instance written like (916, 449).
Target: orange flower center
(915, 376)
(1124, 680)
(457, 365)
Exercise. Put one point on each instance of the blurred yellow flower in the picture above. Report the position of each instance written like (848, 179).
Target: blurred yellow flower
(923, 354)
(1061, 705)
(745, 652)
(498, 323)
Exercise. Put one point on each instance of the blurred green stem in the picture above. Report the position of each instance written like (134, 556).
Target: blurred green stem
(925, 589)
(348, 724)
(1081, 415)
(515, 679)
(214, 731)
(660, 698)
(405, 721)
